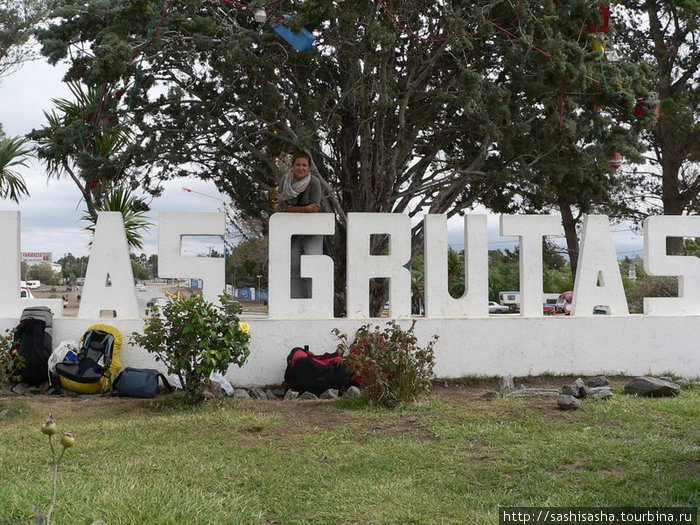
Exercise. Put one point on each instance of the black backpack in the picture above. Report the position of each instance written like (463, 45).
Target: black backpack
(33, 341)
(92, 366)
(307, 372)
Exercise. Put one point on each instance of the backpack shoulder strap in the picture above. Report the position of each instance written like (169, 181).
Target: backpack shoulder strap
(165, 382)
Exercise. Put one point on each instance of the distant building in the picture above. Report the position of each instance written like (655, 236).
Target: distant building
(33, 258)
(37, 257)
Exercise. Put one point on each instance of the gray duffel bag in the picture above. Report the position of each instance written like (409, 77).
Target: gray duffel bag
(139, 382)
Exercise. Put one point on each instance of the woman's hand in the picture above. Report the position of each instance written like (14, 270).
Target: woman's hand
(309, 208)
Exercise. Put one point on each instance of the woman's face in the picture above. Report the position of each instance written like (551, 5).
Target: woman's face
(301, 168)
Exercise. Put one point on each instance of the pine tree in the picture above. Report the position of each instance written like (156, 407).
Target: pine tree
(667, 35)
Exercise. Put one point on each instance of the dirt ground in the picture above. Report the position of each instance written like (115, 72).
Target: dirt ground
(302, 416)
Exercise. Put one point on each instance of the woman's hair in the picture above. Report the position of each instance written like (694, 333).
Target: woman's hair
(299, 155)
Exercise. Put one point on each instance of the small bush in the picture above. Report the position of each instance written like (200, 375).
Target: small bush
(195, 338)
(389, 363)
(10, 362)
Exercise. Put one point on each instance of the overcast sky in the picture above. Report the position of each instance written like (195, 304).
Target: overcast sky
(50, 217)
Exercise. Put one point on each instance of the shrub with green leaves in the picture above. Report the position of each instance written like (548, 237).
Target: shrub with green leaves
(389, 363)
(10, 362)
(194, 338)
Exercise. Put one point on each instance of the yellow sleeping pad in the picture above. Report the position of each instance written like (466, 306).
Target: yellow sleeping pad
(97, 363)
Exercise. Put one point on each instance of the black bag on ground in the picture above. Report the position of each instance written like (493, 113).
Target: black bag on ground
(307, 372)
(139, 382)
(33, 340)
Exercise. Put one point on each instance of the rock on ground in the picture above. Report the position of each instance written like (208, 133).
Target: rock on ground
(506, 383)
(307, 396)
(597, 381)
(331, 393)
(601, 392)
(257, 393)
(652, 387)
(241, 393)
(567, 402)
(352, 392)
(533, 392)
(576, 389)
(291, 395)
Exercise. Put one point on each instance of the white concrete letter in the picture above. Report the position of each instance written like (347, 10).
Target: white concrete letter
(172, 227)
(687, 268)
(530, 229)
(362, 266)
(598, 280)
(10, 303)
(438, 301)
(109, 280)
(319, 268)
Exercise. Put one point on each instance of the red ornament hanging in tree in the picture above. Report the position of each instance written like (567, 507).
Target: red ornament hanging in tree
(642, 107)
(615, 160)
(604, 12)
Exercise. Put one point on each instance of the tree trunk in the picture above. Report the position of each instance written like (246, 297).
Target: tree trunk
(569, 223)
(671, 192)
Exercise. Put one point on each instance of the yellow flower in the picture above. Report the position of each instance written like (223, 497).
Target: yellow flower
(244, 327)
(146, 327)
(167, 293)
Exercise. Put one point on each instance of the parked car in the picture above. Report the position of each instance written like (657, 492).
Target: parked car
(152, 301)
(141, 287)
(495, 308)
(564, 303)
(158, 302)
(25, 293)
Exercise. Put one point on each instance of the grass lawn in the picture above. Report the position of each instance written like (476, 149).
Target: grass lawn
(453, 459)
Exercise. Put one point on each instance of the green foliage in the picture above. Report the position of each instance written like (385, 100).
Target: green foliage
(666, 34)
(389, 363)
(648, 286)
(504, 272)
(10, 362)
(133, 212)
(246, 261)
(82, 137)
(73, 266)
(13, 153)
(44, 273)
(194, 338)
(141, 269)
(18, 19)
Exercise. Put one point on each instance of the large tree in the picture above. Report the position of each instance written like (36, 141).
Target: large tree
(667, 33)
(394, 123)
(405, 106)
(572, 115)
(18, 19)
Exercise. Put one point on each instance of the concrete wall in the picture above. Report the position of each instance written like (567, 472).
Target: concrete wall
(498, 345)
(664, 340)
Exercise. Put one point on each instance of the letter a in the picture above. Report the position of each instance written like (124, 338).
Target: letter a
(109, 280)
(598, 280)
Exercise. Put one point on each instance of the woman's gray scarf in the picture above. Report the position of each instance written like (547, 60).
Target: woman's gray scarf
(290, 188)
